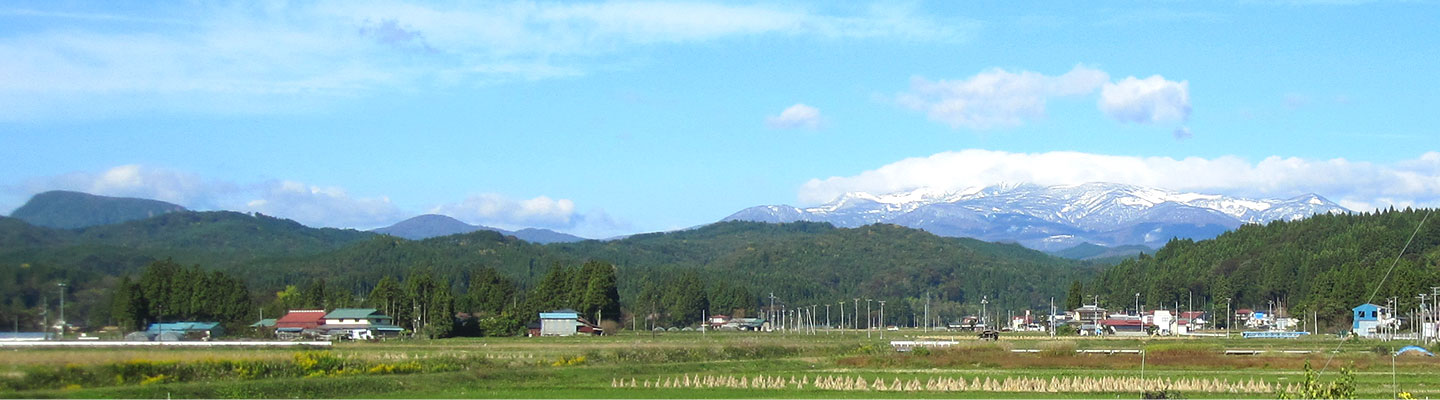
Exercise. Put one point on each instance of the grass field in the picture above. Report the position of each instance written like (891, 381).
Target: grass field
(719, 365)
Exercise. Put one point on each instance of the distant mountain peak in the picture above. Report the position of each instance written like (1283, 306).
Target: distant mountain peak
(1052, 217)
(435, 225)
(72, 210)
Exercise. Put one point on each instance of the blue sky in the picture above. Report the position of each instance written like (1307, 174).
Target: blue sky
(608, 118)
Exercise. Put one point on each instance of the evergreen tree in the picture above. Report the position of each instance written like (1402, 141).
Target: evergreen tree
(488, 293)
(1076, 297)
(440, 321)
(127, 305)
(553, 292)
(601, 297)
(389, 298)
(685, 300)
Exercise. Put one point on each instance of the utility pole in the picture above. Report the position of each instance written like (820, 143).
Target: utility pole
(855, 320)
(771, 313)
(842, 316)
(927, 310)
(45, 316)
(1271, 316)
(882, 319)
(1137, 307)
(827, 319)
(1422, 319)
(869, 322)
(1228, 317)
(62, 309)
(1051, 318)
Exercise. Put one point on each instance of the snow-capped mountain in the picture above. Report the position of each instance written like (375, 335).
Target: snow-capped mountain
(1052, 217)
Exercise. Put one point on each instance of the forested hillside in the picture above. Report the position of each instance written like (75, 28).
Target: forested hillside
(731, 264)
(33, 259)
(802, 263)
(1325, 263)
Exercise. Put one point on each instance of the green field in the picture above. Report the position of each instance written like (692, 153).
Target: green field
(713, 365)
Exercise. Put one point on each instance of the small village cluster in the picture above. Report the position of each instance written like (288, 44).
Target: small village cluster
(1368, 320)
(340, 324)
(955, 384)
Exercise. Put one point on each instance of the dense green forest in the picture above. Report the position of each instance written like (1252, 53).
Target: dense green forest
(1326, 264)
(727, 266)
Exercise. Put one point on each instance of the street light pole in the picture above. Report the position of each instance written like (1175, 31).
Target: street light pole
(984, 301)
(1137, 308)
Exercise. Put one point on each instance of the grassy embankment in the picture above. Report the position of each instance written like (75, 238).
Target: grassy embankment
(690, 365)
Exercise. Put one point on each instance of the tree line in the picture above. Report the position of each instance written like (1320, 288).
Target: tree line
(1318, 267)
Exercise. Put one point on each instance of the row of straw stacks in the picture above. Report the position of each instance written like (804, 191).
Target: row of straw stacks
(948, 384)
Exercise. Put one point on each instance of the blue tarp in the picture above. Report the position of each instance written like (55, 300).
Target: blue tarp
(1417, 349)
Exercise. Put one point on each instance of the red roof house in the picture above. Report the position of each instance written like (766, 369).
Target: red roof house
(301, 319)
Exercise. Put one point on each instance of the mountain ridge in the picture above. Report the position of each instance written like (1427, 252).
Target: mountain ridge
(428, 226)
(1052, 218)
(65, 209)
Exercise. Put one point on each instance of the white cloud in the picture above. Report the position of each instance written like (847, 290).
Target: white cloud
(1355, 184)
(1148, 100)
(140, 181)
(321, 206)
(997, 98)
(1000, 99)
(316, 205)
(796, 116)
(283, 57)
(499, 211)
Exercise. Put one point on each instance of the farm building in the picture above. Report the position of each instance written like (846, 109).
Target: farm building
(747, 324)
(565, 322)
(1123, 325)
(176, 331)
(359, 323)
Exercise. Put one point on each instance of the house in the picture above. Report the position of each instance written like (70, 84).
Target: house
(359, 323)
(300, 323)
(1194, 320)
(1242, 316)
(1369, 318)
(1123, 325)
(1022, 323)
(718, 320)
(566, 322)
(176, 331)
(1089, 316)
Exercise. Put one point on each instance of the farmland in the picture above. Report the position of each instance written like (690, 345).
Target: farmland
(721, 365)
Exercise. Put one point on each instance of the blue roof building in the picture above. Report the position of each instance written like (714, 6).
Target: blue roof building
(1366, 318)
(186, 330)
